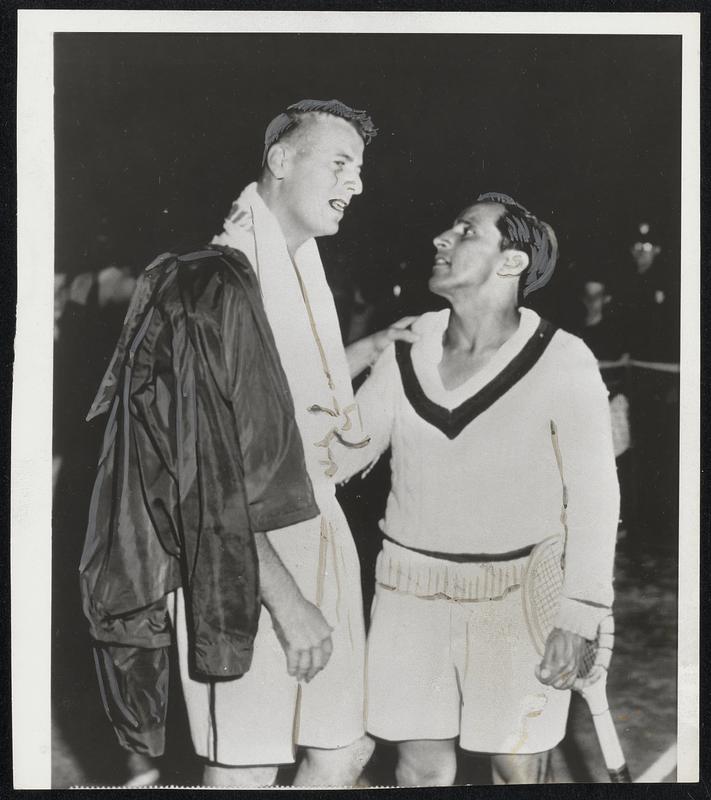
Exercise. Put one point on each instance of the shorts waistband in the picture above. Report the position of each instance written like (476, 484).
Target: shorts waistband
(466, 558)
(418, 573)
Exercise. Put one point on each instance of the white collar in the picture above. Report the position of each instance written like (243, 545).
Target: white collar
(427, 355)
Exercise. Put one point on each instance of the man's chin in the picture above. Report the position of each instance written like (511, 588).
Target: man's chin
(436, 284)
(328, 230)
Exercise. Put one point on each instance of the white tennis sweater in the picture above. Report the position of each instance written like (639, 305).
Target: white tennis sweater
(495, 486)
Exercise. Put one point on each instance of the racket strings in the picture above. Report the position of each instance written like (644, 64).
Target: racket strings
(545, 584)
(588, 660)
(542, 588)
(546, 580)
(598, 653)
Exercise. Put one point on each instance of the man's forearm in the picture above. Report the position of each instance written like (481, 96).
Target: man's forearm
(278, 588)
(299, 625)
(360, 355)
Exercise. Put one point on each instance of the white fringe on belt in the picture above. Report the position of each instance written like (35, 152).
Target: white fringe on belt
(403, 570)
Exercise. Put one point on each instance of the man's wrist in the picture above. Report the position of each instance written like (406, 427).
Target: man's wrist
(284, 598)
(579, 616)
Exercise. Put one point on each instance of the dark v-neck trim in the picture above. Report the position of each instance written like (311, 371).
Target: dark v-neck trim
(453, 422)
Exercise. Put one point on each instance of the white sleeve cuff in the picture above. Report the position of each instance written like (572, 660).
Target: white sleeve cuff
(581, 618)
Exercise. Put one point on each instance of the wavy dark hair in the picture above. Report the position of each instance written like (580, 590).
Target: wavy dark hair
(522, 230)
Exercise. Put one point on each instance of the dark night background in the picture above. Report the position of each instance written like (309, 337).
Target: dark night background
(156, 134)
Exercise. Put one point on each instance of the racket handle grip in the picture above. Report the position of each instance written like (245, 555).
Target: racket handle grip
(611, 750)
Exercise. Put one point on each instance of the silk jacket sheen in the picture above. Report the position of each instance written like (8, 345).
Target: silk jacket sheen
(200, 451)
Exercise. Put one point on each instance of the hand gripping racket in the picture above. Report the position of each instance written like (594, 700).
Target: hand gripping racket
(541, 590)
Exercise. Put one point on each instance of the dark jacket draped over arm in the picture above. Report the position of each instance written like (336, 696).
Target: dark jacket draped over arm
(200, 451)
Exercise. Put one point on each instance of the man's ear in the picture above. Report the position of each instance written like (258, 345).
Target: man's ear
(515, 263)
(276, 160)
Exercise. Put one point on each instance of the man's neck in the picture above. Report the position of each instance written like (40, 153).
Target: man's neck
(271, 197)
(475, 327)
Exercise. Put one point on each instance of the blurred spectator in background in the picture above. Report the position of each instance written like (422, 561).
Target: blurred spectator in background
(603, 332)
(89, 307)
(60, 302)
(88, 310)
(561, 303)
(647, 298)
(647, 293)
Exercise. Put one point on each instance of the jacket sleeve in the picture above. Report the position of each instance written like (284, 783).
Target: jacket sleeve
(582, 432)
(126, 571)
(240, 460)
(133, 683)
(277, 485)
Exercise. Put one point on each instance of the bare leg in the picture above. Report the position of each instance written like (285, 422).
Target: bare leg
(520, 768)
(142, 770)
(426, 762)
(341, 766)
(238, 777)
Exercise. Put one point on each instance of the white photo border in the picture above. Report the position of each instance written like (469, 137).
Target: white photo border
(31, 470)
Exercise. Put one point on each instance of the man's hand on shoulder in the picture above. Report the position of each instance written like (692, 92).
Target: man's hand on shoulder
(365, 352)
(399, 330)
(562, 659)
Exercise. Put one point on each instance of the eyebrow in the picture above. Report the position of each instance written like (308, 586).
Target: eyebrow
(341, 154)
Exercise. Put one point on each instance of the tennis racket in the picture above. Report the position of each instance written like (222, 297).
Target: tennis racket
(542, 587)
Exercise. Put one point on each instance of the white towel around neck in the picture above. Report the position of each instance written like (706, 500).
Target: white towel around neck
(253, 229)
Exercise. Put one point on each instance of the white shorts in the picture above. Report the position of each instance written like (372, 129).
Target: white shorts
(261, 717)
(439, 667)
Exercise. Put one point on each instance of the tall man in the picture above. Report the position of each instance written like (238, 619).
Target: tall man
(497, 421)
(259, 290)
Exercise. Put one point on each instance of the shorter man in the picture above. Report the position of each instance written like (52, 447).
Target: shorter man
(500, 432)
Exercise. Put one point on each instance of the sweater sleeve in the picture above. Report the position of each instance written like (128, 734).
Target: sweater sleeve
(376, 406)
(581, 432)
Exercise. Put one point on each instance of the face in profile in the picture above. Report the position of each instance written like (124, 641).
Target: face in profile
(469, 253)
(321, 175)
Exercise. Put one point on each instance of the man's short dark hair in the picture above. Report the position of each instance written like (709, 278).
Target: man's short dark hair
(289, 120)
(522, 230)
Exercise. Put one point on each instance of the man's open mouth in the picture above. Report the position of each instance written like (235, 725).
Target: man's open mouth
(441, 261)
(338, 205)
